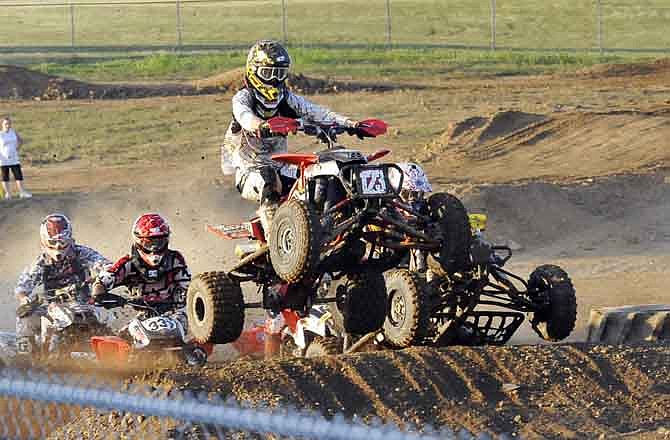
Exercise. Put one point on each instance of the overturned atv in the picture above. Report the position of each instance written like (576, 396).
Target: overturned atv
(445, 308)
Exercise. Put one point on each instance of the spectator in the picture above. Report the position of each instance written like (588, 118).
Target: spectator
(10, 143)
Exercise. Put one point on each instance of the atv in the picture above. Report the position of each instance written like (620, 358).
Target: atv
(437, 307)
(343, 218)
(66, 324)
(149, 338)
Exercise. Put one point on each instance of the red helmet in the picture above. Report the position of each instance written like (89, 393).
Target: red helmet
(56, 236)
(151, 235)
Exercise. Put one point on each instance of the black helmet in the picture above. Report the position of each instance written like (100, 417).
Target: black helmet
(268, 64)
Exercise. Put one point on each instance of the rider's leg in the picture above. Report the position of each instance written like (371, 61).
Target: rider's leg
(262, 185)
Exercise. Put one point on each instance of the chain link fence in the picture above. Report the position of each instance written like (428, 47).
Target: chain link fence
(36, 406)
(600, 25)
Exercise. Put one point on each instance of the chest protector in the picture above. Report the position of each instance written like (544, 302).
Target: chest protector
(67, 273)
(283, 109)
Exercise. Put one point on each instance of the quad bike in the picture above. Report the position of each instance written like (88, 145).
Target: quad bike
(444, 308)
(66, 324)
(316, 233)
(148, 339)
(343, 218)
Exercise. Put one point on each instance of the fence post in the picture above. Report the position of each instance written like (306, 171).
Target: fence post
(178, 8)
(388, 23)
(600, 25)
(71, 24)
(284, 22)
(493, 25)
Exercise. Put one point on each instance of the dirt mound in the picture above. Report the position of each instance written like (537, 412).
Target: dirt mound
(658, 67)
(234, 79)
(21, 83)
(519, 146)
(564, 391)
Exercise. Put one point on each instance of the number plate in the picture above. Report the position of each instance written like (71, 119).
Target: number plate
(373, 181)
(158, 323)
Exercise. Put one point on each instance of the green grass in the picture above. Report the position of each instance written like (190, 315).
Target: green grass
(520, 23)
(360, 64)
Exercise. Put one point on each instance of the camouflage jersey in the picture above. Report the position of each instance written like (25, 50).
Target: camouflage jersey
(81, 266)
(248, 150)
(163, 286)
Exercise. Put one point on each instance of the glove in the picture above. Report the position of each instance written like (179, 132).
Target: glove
(277, 126)
(27, 308)
(98, 289)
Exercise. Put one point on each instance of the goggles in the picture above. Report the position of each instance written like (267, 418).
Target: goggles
(270, 73)
(153, 245)
(58, 243)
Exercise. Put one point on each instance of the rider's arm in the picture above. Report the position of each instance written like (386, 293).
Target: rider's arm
(112, 276)
(92, 259)
(308, 110)
(29, 278)
(243, 111)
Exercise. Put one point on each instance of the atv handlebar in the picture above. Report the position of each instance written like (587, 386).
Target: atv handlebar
(326, 132)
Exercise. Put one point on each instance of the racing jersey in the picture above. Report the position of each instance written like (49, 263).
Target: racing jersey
(167, 283)
(248, 150)
(77, 268)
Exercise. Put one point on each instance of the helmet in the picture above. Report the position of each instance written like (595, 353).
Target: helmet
(267, 68)
(151, 234)
(414, 180)
(56, 236)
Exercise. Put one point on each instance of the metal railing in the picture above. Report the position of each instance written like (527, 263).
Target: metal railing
(596, 25)
(39, 405)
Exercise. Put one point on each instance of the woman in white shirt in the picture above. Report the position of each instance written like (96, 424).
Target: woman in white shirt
(10, 143)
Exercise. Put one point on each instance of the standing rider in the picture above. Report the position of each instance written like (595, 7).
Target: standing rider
(62, 263)
(151, 271)
(250, 141)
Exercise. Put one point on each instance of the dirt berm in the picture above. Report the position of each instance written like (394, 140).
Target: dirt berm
(560, 391)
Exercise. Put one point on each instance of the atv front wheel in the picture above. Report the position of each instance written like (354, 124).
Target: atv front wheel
(452, 218)
(408, 310)
(361, 302)
(557, 320)
(215, 308)
(294, 241)
(324, 346)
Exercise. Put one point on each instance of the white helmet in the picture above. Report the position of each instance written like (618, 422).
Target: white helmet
(56, 236)
(414, 178)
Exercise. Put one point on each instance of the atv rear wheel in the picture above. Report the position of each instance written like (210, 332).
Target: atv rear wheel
(215, 308)
(324, 346)
(557, 321)
(408, 310)
(452, 218)
(294, 241)
(361, 302)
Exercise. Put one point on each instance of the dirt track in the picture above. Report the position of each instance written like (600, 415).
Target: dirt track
(583, 185)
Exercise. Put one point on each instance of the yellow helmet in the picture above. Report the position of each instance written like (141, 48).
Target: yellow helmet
(268, 63)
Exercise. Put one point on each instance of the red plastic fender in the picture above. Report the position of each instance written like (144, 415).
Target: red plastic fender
(110, 348)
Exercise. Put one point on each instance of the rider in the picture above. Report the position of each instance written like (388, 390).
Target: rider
(61, 263)
(250, 141)
(151, 271)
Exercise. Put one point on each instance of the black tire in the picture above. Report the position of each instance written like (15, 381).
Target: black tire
(452, 217)
(324, 346)
(557, 321)
(408, 309)
(215, 308)
(361, 302)
(294, 241)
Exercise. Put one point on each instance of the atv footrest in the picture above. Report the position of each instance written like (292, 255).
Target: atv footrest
(489, 327)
